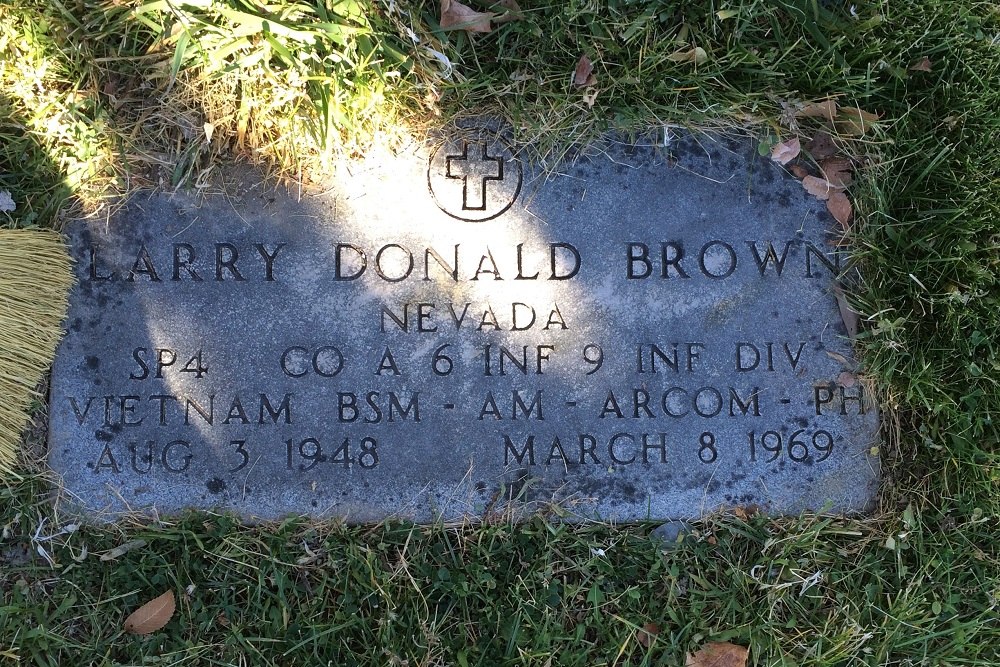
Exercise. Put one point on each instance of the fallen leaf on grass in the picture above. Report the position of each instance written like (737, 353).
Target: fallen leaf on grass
(799, 171)
(820, 188)
(821, 146)
(836, 164)
(786, 151)
(697, 55)
(861, 114)
(746, 512)
(826, 109)
(921, 65)
(840, 208)
(848, 315)
(455, 15)
(584, 74)
(512, 13)
(718, 654)
(854, 121)
(837, 170)
(647, 634)
(123, 549)
(151, 616)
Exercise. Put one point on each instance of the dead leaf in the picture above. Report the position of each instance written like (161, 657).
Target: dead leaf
(799, 171)
(860, 114)
(512, 13)
(847, 380)
(786, 151)
(838, 357)
(826, 109)
(747, 512)
(151, 616)
(921, 65)
(647, 634)
(456, 16)
(697, 55)
(836, 164)
(821, 146)
(840, 179)
(590, 98)
(847, 314)
(718, 654)
(820, 188)
(584, 74)
(840, 208)
(854, 121)
(122, 549)
(837, 170)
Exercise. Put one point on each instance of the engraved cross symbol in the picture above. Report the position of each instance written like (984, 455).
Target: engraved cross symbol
(475, 171)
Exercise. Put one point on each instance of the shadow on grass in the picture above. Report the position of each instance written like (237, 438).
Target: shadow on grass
(35, 183)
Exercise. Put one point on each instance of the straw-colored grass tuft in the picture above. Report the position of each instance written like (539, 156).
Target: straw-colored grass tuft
(35, 278)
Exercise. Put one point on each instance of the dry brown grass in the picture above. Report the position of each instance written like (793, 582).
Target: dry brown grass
(35, 278)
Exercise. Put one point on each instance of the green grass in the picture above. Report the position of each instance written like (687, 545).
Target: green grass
(99, 102)
(300, 594)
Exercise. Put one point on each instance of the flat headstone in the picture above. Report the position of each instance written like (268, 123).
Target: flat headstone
(648, 332)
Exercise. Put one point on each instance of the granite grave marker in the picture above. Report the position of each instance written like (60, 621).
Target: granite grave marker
(651, 332)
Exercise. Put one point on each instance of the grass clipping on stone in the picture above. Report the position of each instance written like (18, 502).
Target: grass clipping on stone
(35, 278)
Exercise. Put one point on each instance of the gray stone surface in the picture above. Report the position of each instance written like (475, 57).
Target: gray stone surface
(615, 337)
(670, 534)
